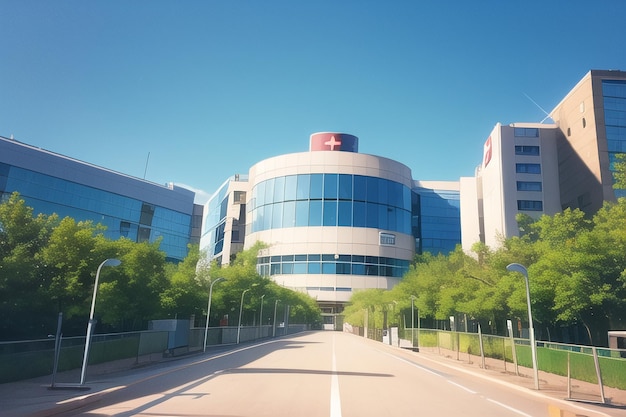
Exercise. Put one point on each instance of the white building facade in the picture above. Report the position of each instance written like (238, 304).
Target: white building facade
(336, 221)
(518, 174)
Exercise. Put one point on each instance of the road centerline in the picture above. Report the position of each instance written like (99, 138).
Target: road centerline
(335, 398)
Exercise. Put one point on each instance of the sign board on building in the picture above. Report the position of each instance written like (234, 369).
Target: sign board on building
(387, 239)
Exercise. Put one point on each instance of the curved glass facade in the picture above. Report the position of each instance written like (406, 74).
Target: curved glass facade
(332, 264)
(330, 200)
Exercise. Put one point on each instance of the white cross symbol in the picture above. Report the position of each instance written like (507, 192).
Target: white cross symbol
(333, 142)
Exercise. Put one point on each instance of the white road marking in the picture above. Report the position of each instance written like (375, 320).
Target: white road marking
(335, 400)
(515, 410)
(462, 387)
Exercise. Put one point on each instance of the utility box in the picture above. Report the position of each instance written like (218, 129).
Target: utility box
(178, 334)
(617, 340)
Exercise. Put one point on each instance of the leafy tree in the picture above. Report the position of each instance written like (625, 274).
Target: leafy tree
(23, 273)
(131, 292)
(71, 260)
(363, 306)
(241, 275)
(187, 291)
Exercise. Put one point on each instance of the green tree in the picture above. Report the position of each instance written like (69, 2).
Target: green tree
(23, 272)
(71, 260)
(187, 292)
(130, 294)
(241, 275)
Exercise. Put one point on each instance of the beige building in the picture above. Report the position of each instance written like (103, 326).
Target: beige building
(592, 129)
(544, 168)
(519, 174)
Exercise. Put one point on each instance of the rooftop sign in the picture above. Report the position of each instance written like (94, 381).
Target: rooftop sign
(329, 141)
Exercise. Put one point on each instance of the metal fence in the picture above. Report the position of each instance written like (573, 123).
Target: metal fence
(594, 365)
(33, 358)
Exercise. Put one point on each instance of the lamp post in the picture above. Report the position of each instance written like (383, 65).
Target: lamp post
(240, 311)
(208, 311)
(261, 317)
(412, 319)
(274, 324)
(106, 262)
(531, 330)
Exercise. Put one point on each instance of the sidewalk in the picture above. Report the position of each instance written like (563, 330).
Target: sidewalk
(37, 398)
(34, 398)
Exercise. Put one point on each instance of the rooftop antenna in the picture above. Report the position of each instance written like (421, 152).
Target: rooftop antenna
(540, 108)
(146, 168)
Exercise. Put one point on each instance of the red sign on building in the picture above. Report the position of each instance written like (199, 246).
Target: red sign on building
(487, 152)
(329, 141)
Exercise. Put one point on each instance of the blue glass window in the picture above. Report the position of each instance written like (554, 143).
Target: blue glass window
(372, 215)
(317, 186)
(344, 213)
(330, 186)
(345, 187)
(529, 205)
(291, 185)
(331, 200)
(314, 268)
(372, 190)
(528, 132)
(304, 185)
(360, 214)
(330, 213)
(289, 214)
(269, 191)
(302, 213)
(277, 216)
(528, 186)
(360, 188)
(528, 168)
(315, 213)
(279, 189)
(527, 150)
(329, 268)
(267, 217)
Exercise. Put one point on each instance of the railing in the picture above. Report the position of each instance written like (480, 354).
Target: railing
(601, 366)
(33, 358)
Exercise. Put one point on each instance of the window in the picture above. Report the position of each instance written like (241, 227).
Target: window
(526, 132)
(291, 185)
(526, 150)
(528, 168)
(330, 186)
(147, 213)
(530, 205)
(529, 186)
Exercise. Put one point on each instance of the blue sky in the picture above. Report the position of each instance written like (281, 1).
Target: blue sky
(209, 88)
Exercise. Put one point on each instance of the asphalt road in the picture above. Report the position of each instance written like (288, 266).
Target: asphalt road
(323, 374)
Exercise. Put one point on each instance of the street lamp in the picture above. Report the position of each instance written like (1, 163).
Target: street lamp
(261, 318)
(412, 319)
(106, 262)
(274, 324)
(240, 311)
(208, 310)
(531, 330)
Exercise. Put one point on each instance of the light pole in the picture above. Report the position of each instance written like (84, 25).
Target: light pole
(261, 318)
(106, 262)
(208, 311)
(240, 311)
(274, 324)
(412, 319)
(531, 330)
